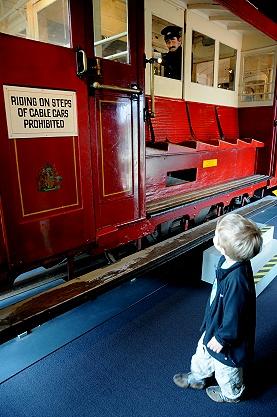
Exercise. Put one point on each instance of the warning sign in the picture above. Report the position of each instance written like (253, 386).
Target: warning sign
(34, 112)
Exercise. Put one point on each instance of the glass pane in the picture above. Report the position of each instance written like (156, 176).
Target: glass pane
(227, 67)
(167, 48)
(52, 23)
(111, 30)
(258, 77)
(41, 20)
(203, 49)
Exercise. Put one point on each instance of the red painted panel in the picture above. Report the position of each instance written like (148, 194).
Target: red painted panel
(171, 121)
(3, 243)
(116, 160)
(257, 122)
(203, 121)
(49, 237)
(231, 163)
(48, 174)
(116, 148)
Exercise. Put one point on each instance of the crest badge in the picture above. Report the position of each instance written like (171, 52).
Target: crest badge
(49, 179)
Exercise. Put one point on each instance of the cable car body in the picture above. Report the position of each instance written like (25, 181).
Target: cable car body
(95, 156)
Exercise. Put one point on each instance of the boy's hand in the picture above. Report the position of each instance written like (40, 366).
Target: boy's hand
(214, 345)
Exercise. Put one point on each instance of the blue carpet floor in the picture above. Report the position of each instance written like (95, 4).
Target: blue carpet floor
(122, 366)
(125, 366)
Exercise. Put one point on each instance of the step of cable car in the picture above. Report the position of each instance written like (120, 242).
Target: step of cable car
(264, 265)
(167, 203)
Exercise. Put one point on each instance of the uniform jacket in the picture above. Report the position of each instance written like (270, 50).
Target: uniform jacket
(231, 317)
(172, 62)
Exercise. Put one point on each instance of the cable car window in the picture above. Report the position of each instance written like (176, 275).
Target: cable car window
(227, 67)
(167, 48)
(111, 30)
(41, 20)
(258, 77)
(203, 51)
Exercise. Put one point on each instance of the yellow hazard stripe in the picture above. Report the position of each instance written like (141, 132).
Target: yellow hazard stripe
(265, 269)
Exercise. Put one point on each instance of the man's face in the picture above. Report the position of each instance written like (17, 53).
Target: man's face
(173, 44)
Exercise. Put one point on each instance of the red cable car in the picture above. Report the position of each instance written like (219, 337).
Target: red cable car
(84, 164)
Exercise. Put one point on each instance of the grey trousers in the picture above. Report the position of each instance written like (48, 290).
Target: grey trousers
(203, 365)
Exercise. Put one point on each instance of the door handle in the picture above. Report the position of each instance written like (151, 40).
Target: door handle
(81, 62)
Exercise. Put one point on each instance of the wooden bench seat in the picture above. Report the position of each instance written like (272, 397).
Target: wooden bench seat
(189, 151)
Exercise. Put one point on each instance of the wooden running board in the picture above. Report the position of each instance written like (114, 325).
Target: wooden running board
(155, 206)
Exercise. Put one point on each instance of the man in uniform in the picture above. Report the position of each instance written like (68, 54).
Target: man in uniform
(172, 61)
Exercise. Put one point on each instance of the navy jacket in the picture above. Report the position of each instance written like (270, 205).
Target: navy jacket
(231, 317)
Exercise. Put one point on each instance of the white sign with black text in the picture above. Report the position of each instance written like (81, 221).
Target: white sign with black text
(35, 112)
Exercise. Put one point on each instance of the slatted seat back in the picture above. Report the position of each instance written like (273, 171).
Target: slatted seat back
(228, 120)
(171, 122)
(203, 121)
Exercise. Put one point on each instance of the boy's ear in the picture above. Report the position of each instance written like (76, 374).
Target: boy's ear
(222, 251)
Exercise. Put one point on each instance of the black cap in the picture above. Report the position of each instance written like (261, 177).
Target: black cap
(171, 32)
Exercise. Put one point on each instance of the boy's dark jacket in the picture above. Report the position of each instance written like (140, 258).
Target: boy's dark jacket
(231, 317)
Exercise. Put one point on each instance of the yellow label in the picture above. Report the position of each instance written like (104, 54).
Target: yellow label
(207, 163)
(274, 192)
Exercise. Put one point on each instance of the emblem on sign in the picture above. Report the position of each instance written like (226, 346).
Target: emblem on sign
(48, 179)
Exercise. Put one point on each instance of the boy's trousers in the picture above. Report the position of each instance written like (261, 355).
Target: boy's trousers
(203, 365)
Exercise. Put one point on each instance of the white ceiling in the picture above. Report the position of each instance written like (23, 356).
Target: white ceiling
(219, 15)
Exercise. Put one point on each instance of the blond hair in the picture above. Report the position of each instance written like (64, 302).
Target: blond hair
(240, 238)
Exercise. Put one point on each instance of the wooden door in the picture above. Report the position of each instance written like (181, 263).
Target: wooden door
(116, 71)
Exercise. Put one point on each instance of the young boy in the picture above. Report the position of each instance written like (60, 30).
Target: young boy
(227, 342)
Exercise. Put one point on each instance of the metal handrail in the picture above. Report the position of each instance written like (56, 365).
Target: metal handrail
(133, 90)
(152, 87)
(111, 38)
(117, 55)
